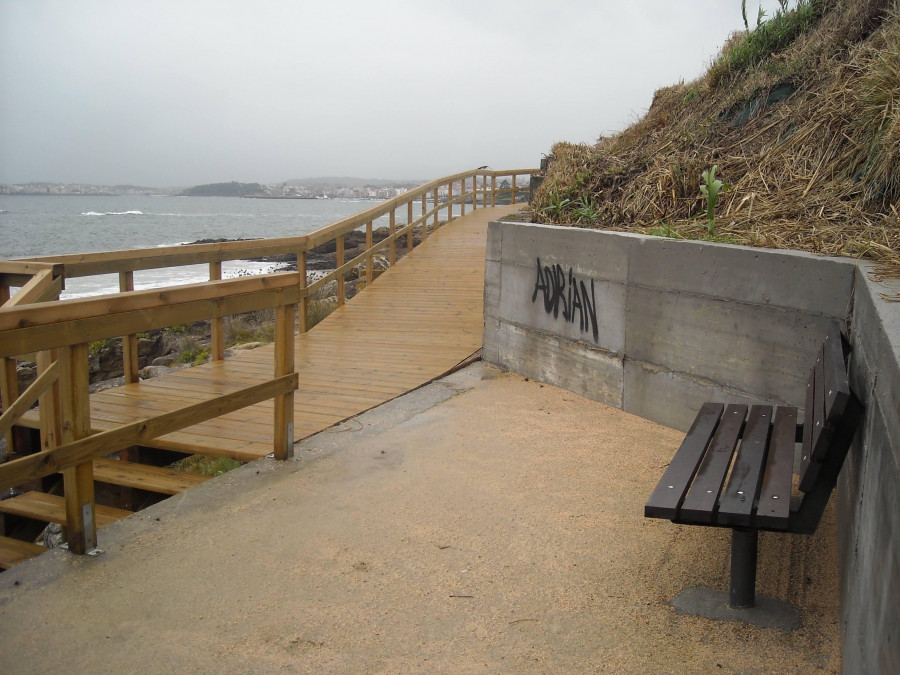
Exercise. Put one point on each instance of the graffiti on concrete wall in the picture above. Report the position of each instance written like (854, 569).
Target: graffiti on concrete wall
(565, 295)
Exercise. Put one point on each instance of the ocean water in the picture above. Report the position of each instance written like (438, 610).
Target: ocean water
(52, 225)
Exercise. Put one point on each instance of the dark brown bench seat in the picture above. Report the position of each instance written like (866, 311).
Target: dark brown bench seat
(735, 467)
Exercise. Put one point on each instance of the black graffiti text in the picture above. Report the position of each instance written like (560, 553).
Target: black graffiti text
(566, 295)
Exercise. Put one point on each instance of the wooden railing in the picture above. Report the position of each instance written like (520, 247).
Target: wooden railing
(62, 331)
(58, 333)
(474, 188)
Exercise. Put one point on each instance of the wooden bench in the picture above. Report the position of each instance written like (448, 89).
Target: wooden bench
(753, 457)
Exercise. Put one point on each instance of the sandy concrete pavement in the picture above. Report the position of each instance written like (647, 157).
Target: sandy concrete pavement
(484, 523)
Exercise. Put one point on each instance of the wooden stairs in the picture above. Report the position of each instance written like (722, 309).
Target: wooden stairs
(52, 508)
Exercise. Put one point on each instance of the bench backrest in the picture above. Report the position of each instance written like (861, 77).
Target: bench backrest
(831, 416)
(827, 393)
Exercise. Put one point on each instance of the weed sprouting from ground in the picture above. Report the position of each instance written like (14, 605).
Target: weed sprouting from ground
(206, 466)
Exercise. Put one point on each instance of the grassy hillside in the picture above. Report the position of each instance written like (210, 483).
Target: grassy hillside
(801, 115)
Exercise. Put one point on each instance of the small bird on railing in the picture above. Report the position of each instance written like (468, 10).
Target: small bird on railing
(482, 167)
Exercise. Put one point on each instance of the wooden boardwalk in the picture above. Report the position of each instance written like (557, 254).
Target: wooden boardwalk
(419, 320)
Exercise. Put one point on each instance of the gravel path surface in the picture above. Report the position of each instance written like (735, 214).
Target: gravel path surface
(484, 523)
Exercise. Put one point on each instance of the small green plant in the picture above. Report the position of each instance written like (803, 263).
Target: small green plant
(666, 230)
(690, 96)
(178, 328)
(193, 353)
(557, 206)
(206, 466)
(710, 190)
(96, 346)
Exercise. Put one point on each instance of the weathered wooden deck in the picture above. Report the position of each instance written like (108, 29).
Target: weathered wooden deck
(418, 321)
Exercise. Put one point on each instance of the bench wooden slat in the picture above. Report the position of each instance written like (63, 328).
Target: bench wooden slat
(738, 500)
(52, 509)
(774, 505)
(700, 502)
(818, 415)
(836, 393)
(808, 411)
(14, 551)
(832, 394)
(670, 490)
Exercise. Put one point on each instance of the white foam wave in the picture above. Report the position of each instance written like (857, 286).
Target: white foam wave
(113, 213)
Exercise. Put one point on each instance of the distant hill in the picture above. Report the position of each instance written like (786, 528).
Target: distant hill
(348, 181)
(232, 189)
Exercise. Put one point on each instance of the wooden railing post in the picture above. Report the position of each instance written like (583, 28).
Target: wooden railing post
(435, 206)
(9, 381)
(462, 197)
(78, 481)
(450, 201)
(48, 405)
(493, 190)
(409, 221)
(304, 301)
(216, 324)
(339, 253)
(475, 192)
(370, 270)
(129, 342)
(284, 365)
(424, 219)
(513, 189)
(392, 255)
(9, 392)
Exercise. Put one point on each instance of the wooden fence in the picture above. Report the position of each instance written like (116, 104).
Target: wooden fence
(33, 322)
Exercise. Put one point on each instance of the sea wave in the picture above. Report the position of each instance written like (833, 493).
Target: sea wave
(113, 213)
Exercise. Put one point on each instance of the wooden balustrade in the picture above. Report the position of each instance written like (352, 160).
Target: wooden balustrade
(60, 333)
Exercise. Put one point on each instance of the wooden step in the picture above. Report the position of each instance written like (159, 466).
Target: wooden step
(145, 477)
(14, 551)
(52, 509)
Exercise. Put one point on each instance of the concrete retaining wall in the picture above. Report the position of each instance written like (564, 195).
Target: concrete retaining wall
(658, 326)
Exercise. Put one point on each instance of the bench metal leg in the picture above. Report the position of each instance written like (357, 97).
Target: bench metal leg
(742, 591)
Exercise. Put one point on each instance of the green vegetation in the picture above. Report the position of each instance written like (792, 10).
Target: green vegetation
(232, 189)
(252, 327)
(754, 47)
(206, 466)
(97, 345)
(193, 352)
(710, 190)
(801, 113)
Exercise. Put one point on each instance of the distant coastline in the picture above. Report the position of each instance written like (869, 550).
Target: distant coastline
(276, 197)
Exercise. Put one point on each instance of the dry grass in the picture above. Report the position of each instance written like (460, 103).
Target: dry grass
(818, 171)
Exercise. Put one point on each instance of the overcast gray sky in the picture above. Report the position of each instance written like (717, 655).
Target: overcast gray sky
(163, 93)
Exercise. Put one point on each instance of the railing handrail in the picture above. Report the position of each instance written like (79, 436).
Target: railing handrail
(30, 328)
